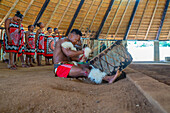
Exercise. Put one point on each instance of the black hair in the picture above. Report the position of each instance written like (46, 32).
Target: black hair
(48, 28)
(78, 32)
(38, 24)
(18, 14)
(29, 26)
(55, 29)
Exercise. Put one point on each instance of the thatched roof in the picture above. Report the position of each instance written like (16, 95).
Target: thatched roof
(59, 13)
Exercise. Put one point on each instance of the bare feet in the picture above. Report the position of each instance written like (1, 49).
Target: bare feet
(118, 73)
(24, 65)
(12, 67)
(111, 79)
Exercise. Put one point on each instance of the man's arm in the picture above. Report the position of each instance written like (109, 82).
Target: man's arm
(71, 53)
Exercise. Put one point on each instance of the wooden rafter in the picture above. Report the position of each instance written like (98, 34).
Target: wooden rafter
(28, 7)
(64, 13)
(141, 18)
(41, 12)
(9, 12)
(153, 15)
(131, 19)
(53, 14)
(122, 18)
(75, 16)
(104, 19)
(168, 35)
(162, 20)
(87, 14)
(113, 19)
(96, 14)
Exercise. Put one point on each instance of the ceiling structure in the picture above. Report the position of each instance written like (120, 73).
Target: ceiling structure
(110, 19)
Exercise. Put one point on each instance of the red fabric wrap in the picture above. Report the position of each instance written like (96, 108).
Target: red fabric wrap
(63, 70)
(31, 43)
(15, 36)
(46, 49)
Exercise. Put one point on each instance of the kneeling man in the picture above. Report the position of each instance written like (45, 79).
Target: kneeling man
(65, 55)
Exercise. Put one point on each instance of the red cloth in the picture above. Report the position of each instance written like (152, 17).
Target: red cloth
(63, 70)
(15, 36)
(48, 47)
(31, 43)
(21, 42)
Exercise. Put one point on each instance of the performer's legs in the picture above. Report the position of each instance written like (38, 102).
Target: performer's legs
(77, 72)
(39, 60)
(11, 58)
(27, 60)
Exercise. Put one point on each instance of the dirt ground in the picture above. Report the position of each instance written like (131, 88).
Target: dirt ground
(156, 71)
(36, 90)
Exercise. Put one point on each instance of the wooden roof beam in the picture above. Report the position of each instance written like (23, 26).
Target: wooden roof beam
(74, 17)
(131, 19)
(113, 18)
(64, 13)
(168, 35)
(153, 15)
(96, 14)
(141, 18)
(86, 14)
(9, 12)
(122, 18)
(104, 18)
(52, 15)
(28, 7)
(162, 19)
(41, 12)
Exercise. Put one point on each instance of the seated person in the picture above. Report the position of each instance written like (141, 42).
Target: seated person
(65, 52)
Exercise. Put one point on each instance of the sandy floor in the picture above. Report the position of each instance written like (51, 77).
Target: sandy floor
(36, 90)
(157, 71)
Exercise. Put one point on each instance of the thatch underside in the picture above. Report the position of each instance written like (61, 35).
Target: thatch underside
(59, 13)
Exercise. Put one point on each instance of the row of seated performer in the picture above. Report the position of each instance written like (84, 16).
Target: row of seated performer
(68, 57)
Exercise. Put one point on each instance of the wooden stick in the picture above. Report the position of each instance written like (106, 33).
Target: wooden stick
(113, 18)
(153, 15)
(141, 18)
(9, 12)
(52, 14)
(87, 14)
(168, 35)
(28, 7)
(64, 13)
(122, 18)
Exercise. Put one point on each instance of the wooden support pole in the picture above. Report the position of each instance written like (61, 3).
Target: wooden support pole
(113, 19)
(75, 16)
(104, 19)
(9, 12)
(87, 14)
(168, 35)
(153, 15)
(55, 9)
(122, 18)
(131, 19)
(141, 18)
(28, 7)
(64, 13)
(162, 19)
(41, 12)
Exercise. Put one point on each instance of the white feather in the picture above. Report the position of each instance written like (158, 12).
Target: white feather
(96, 75)
(87, 51)
(68, 45)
